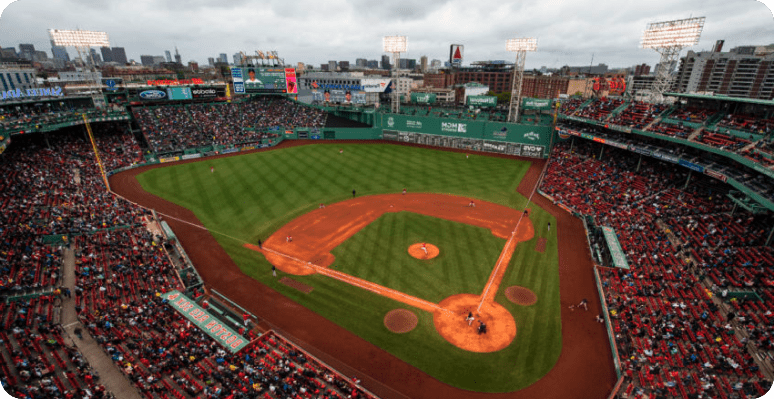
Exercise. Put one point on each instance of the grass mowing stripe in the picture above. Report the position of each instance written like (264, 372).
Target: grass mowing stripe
(280, 185)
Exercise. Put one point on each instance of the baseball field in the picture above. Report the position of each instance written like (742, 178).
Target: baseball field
(349, 260)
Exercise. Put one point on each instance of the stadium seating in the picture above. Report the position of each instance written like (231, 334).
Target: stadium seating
(171, 128)
(673, 338)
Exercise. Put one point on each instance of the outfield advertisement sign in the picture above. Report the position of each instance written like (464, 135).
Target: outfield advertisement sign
(481, 101)
(466, 143)
(536, 103)
(423, 98)
(211, 326)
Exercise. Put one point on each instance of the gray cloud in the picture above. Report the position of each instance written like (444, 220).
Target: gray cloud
(568, 32)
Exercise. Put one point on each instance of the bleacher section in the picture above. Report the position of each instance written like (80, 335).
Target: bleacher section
(675, 337)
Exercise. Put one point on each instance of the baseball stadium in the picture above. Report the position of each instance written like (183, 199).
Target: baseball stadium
(185, 239)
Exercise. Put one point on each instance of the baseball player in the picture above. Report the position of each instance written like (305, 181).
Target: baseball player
(470, 318)
(424, 248)
(289, 239)
(404, 191)
(212, 169)
(472, 204)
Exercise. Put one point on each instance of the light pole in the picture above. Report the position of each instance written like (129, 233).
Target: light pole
(520, 47)
(395, 45)
(668, 38)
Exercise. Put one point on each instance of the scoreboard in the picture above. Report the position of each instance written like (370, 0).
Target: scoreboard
(248, 80)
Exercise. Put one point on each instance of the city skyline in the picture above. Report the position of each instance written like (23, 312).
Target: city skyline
(344, 31)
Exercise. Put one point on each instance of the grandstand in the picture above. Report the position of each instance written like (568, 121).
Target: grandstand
(688, 189)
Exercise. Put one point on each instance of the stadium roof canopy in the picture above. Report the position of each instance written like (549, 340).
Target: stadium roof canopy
(755, 101)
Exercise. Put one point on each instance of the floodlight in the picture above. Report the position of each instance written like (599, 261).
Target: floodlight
(395, 44)
(668, 38)
(521, 44)
(79, 38)
(677, 33)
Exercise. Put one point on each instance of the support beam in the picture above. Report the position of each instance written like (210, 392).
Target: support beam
(688, 180)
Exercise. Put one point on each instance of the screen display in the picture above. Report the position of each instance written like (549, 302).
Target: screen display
(259, 80)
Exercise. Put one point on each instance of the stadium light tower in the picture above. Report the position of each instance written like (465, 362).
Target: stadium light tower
(395, 45)
(83, 40)
(668, 38)
(520, 47)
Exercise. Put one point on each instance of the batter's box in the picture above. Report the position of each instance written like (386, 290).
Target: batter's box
(541, 245)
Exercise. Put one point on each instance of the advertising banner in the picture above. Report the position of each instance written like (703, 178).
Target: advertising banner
(536, 103)
(290, 81)
(153, 95)
(423, 98)
(716, 175)
(692, 166)
(210, 325)
(179, 93)
(207, 92)
(619, 258)
(481, 101)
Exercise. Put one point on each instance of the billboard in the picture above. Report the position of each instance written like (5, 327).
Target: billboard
(482, 101)
(179, 93)
(535, 103)
(340, 96)
(290, 81)
(455, 54)
(207, 92)
(151, 95)
(423, 98)
(260, 80)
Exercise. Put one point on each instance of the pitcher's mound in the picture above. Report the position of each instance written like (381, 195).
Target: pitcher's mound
(520, 295)
(416, 251)
(400, 320)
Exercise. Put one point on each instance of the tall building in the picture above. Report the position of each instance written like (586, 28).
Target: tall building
(643, 69)
(423, 64)
(386, 62)
(344, 65)
(741, 72)
(408, 63)
(119, 55)
(435, 64)
(372, 64)
(94, 57)
(211, 61)
(17, 78)
(146, 60)
(158, 59)
(26, 51)
(361, 62)
(168, 55)
(223, 58)
(237, 58)
(59, 52)
(178, 58)
(107, 54)
(332, 66)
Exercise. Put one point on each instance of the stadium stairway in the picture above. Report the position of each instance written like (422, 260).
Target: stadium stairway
(112, 378)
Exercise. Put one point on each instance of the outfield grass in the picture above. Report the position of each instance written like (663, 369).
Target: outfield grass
(250, 196)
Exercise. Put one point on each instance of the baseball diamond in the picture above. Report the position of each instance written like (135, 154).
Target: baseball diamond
(318, 267)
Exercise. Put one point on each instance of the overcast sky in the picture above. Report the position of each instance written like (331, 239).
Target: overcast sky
(568, 32)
